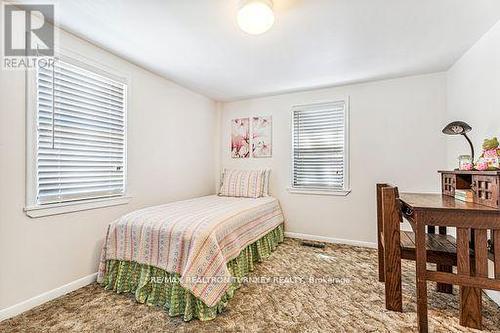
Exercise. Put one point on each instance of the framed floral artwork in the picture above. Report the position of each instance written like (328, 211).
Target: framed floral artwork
(240, 138)
(262, 136)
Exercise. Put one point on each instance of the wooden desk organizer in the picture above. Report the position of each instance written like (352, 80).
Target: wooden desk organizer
(484, 184)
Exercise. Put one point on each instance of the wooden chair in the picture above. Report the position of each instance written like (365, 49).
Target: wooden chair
(394, 245)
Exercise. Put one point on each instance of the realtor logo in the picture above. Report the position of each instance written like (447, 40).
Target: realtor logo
(27, 31)
(28, 36)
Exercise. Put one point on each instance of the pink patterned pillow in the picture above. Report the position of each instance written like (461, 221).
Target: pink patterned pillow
(242, 183)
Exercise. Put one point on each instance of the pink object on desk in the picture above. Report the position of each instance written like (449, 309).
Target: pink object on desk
(467, 166)
(482, 166)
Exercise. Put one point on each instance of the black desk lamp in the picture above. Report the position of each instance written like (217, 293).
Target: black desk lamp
(459, 127)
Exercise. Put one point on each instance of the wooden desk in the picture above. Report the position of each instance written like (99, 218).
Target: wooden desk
(423, 210)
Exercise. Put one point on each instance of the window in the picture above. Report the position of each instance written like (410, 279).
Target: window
(320, 148)
(80, 125)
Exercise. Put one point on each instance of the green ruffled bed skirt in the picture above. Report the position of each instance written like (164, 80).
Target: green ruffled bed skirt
(155, 286)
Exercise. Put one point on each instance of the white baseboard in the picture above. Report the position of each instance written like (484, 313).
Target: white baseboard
(330, 240)
(45, 297)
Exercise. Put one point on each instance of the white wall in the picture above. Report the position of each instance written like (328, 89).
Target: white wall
(395, 137)
(474, 96)
(170, 157)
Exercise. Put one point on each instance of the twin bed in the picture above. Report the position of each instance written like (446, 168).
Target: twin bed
(189, 256)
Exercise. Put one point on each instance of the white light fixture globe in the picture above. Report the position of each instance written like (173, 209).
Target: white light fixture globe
(256, 16)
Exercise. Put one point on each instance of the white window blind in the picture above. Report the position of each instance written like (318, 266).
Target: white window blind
(319, 147)
(80, 134)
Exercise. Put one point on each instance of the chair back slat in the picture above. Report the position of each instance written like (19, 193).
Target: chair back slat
(379, 206)
(391, 211)
(380, 234)
(390, 214)
(394, 195)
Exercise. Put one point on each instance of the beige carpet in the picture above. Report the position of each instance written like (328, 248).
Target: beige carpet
(352, 303)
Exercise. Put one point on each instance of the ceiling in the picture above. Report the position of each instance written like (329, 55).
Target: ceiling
(314, 43)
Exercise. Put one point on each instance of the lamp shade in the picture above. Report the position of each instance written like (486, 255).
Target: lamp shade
(460, 128)
(456, 128)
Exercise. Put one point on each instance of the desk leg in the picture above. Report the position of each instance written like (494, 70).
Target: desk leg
(421, 264)
(470, 307)
(470, 298)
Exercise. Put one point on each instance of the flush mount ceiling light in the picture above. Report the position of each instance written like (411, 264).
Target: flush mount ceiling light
(255, 16)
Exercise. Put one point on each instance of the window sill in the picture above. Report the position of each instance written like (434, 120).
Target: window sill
(340, 193)
(70, 207)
